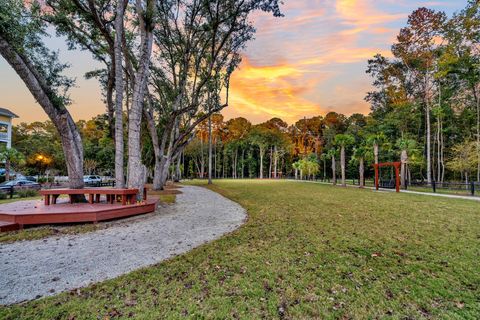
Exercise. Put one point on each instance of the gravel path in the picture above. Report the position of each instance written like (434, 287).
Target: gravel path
(32, 269)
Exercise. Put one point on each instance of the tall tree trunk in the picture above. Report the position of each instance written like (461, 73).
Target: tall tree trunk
(58, 114)
(202, 159)
(157, 172)
(210, 149)
(270, 166)
(403, 160)
(275, 161)
(119, 144)
(361, 170)
(429, 151)
(324, 170)
(375, 152)
(342, 165)
(334, 171)
(178, 172)
(215, 169)
(442, 154)
(243, 164)
(136, 169)
(262, 151)
(223, 164)
(439, 151)
(7, 170)
(478, 136)
(109, 101)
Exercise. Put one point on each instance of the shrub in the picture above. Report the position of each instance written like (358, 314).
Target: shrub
(3, 196)
(44, 179)
(27, 193)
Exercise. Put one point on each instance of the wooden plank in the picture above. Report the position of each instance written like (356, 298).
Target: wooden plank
(36, 213)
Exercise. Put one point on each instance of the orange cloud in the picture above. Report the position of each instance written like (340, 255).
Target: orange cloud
(263, 92)
(362, 14)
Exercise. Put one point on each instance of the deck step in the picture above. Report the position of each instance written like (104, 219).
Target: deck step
(8, 226)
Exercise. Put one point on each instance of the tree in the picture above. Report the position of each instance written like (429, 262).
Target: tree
(464, 159)
(296, 167)
(11, 157)
(406, 146)
(417, 48)
(360, 153)
(343, 140)
(331, 154)
(21, 45)
(119, 89)
(90, 165)
(324, 158)
(198, 46)
(376, 140)
(259, 137)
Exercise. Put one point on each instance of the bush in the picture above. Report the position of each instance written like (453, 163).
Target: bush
(27, 193)
(3, 196)
(44, 179)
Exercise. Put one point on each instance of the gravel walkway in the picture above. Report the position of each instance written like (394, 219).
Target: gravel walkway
(32, 269)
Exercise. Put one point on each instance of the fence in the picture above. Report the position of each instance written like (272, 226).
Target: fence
(461, 188)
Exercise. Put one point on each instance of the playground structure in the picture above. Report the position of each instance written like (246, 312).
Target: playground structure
(396, 165)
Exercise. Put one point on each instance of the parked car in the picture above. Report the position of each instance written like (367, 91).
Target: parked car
(92, 179)
(20, 184)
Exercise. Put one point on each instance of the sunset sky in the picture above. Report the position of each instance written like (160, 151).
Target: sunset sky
(307, 63)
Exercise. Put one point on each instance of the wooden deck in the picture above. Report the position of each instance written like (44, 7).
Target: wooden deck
(15, 215)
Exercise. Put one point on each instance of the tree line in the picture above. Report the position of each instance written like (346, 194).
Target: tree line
(166, 66)
(425, 113)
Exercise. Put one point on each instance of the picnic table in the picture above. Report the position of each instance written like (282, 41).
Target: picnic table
(127, 195)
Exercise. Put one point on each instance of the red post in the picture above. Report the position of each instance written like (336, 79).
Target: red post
(397, 178)
(376, 176)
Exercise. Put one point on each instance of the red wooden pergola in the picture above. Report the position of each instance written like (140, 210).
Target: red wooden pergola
(397, 173)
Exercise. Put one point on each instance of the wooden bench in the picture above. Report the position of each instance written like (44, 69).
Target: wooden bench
(127, 195)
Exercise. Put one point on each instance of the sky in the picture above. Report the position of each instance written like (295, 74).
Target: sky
(307, 63)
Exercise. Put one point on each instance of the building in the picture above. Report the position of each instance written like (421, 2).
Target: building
(6, 117)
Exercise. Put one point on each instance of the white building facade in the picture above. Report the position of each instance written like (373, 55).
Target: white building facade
(6, 117)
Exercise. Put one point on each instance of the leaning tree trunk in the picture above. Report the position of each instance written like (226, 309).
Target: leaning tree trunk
(157, 181)
(403, 169)
(58, 114)
(334, 171)
(361, 170)
(342, 164)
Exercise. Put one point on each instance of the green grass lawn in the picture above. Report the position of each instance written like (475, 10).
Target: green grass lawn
(306, 251)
